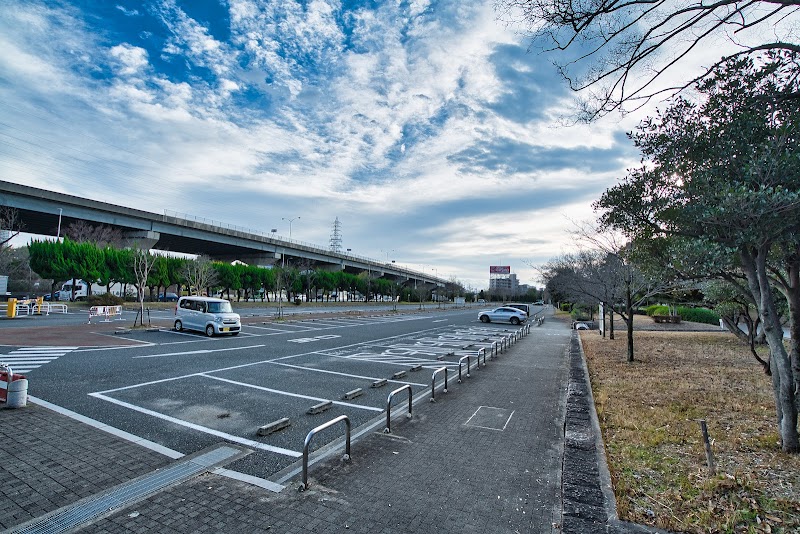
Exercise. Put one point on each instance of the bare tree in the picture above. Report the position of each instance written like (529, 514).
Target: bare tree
(142, 264)
(10, 227)
(604, 274)
(635, 285)
(199, 274)
(625, 52)
(101, 235)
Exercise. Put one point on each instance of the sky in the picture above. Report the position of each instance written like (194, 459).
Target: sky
(427, 128)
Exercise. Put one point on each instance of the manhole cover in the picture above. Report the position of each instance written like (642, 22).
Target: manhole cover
(490, 418)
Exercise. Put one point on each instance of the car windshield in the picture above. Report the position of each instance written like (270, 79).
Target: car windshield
(219, 307)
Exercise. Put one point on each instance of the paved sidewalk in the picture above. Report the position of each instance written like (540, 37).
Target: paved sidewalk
(486, 457)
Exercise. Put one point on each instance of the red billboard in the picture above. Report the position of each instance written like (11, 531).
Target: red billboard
(499, 269)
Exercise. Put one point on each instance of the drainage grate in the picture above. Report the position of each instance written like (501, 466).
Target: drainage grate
(127, 493)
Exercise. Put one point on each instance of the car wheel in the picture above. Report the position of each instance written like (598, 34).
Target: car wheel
(514, 321)
(484, 318)
(210, 330)
(179, 326)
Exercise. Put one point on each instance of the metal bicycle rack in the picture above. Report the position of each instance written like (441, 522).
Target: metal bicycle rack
(388, 429)
(433, 382)
(483, 350)
(310, 435)
(459, 366)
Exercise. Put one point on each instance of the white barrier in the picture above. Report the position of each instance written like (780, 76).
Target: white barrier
(47, 307)
(105, 311)
(24, 308)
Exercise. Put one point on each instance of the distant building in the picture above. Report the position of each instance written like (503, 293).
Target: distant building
(509, 284)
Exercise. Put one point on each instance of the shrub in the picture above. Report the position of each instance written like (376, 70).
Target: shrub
(657, 309)
(565, 306)
(581, 312)
(106, 299)
(698, 315)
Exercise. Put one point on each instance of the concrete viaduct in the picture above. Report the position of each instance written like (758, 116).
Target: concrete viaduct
(42, 212)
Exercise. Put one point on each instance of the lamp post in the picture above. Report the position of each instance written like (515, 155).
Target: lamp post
(387, 254)
(290, 224)
(438, 294)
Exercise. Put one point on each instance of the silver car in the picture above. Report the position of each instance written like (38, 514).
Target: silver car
(503, 314)
(206, 314)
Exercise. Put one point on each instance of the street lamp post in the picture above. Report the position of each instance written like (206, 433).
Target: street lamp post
(387, 252)
(279, 281)
(438, 293)
(290, 223)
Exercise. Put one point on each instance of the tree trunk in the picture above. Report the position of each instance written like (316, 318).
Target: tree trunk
(611, 324)
(754, 266)
(603, 320)
(629, 310)
(792, 294)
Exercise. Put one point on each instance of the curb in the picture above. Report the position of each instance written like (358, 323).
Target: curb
(589, 505)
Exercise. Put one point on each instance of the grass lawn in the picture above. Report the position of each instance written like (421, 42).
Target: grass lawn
(649, 412)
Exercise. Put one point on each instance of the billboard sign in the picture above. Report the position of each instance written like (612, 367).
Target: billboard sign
(500, 269)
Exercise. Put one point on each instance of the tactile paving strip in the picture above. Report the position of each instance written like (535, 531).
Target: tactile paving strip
(86, 510)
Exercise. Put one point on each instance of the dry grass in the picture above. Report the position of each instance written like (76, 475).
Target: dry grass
(649, 412)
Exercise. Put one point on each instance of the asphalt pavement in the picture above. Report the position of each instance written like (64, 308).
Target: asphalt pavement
(516, 448)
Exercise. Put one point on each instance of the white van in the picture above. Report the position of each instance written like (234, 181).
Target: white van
(206, 314)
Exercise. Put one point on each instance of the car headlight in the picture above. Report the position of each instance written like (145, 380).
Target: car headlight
(218, 318)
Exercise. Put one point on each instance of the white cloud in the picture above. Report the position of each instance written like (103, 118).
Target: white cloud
(365, 126)
(132, 59)
(128, 12)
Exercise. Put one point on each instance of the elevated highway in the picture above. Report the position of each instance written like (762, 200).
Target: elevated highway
(43, 212)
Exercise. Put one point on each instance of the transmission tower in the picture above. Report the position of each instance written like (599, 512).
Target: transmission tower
(336, 236)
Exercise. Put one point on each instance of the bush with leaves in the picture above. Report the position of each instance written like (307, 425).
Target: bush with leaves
(698, 315)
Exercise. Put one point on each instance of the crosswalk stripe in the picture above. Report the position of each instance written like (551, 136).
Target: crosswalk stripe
(26, 359)
(42, 350)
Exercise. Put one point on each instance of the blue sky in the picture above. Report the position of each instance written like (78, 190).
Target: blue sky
(426, 127)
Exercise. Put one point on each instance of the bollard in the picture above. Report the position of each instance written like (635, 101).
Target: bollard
(16, 392)
(11, 312)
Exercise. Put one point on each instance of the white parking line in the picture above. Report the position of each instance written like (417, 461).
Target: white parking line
(201, 351)
(288, 394)
(199, 428)
(271, 329)
(348, 375)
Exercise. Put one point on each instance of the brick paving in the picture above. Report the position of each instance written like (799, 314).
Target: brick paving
(434, 473)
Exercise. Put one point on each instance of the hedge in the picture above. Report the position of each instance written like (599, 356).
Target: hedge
(657, 309)
(698, 315)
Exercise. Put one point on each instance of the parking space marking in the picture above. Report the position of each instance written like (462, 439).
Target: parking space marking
(327, 323)
(355, 351)
(408, 349)
(199, 428)
(347, 375)
(288, 394)
(312, 339)
(391, 359)
(201, 351)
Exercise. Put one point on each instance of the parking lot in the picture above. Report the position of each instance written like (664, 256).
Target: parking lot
(185, 391)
